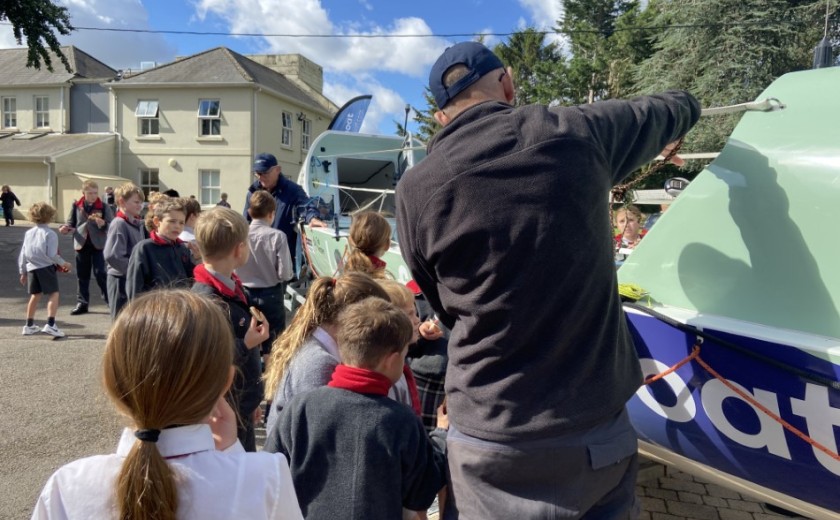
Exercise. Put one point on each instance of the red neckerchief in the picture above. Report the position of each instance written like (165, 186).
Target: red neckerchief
(412, 390)
(97, 204)
(202, 275)
(162, 241)
(360, 380)
(377, 262)
(130, 220)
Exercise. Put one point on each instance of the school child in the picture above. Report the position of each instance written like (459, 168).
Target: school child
(305, 355)
(161, 260)
(369, 238)
(37, 266)
(166, 366)
(404, 390)
(88, 221)
(8, 199)
(155, 198)
(125, 232)
(191, 211)
(269, 266)
(354, 452)
(222, 236)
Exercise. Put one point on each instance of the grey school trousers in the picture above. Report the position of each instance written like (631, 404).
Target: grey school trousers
(582, 475)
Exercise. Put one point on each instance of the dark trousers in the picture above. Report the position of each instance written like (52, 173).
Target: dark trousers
(116, 294)
(583, 475)
(87, 258)
(9, 215)
(269, 300)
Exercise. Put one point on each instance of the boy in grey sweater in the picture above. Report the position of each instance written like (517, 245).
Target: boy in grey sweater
(125, 231)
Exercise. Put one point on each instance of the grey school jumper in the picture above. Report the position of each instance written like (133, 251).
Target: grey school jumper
(357, 455)
(505, 227)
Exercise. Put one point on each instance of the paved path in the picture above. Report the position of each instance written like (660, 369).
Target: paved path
(53, 410)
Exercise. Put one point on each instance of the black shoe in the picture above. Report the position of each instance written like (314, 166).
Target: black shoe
(80, 308)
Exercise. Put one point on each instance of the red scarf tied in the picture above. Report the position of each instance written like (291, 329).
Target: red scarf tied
(377, 262)
(163, 241)
(360, 380)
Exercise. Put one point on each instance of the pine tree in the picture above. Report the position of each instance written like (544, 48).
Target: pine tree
(538, 68)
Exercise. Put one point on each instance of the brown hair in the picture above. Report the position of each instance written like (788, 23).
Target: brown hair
(371, 329)
(262, 204)
(218, 232)
(325, 299)
(166, 363)
(370, 233)
(191, 207)
(155, 198)
(89, 183)
(128, 190)
(399, 294)
(41, 213)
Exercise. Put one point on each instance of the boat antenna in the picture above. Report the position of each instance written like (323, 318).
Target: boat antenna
(407, 110)
(823, 55)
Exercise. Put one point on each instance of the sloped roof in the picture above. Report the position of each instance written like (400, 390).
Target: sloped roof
(13, 69)
(47, 146)
(221, 66)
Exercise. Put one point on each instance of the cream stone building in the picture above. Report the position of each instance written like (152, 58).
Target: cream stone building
(194, 125)
(52, 125)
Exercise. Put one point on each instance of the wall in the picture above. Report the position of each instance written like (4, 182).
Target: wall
(89, 108)
(25, 101)
(28, 180)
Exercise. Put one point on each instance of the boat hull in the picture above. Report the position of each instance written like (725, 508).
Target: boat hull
(692, 420)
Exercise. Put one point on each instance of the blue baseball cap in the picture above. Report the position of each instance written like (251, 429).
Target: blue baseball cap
(475, 56)
(264, 162)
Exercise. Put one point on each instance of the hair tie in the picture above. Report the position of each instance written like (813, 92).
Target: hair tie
(147, 435)
(332, 282)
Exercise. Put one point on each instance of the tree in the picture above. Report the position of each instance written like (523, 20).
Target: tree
(728, 52)
(538, 68)
(424, 118)
(37, 21)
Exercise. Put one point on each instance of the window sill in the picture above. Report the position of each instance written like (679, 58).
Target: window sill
(149, 138)
(41, 130)
(209, 139)
(286, 147)
(9, 130)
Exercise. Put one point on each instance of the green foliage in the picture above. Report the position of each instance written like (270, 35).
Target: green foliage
(37, 21)
(538, 68)
(424, 118)
(728, 64)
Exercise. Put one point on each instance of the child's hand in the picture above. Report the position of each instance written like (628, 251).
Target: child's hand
(430, 331)
(64, 229)
(65, 267)
(258, 415)
(257, 333)
(194, 250)
(442, 416)
(23, 279)
(222, 423)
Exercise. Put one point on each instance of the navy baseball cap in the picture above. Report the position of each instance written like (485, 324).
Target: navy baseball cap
(475, 56)
(264, 162)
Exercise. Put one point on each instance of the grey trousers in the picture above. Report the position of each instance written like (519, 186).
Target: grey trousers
(582, 475)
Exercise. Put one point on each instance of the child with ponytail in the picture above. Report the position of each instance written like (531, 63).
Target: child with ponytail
(305, 355)
(167, 364)
(370, 237)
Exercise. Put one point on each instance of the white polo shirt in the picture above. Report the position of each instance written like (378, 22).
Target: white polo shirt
(211, 484)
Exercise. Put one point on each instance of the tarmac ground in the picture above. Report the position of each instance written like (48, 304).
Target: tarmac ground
(53, 409)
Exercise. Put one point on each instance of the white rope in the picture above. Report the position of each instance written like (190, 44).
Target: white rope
(764, 105)
(350, 188)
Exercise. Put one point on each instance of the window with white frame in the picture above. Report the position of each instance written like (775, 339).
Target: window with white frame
(209, 117)
(42, 112)
(9, 112)
(211, 189)
(149, 181)
(147, 114)
(305, 132)
(286, 139)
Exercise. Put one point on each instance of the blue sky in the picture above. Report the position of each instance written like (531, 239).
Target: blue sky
(393, 70)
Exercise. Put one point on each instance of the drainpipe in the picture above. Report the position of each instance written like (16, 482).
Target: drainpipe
(50, 195)
(119, 135)
(253, 131)
(61, 110)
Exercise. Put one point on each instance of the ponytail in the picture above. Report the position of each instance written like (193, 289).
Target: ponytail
(146, 485)
(327, 297)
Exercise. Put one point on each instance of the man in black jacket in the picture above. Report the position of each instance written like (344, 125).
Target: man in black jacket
(506, 230)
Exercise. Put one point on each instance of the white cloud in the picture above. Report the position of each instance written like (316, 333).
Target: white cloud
(366, 4)
(7, 37)
(544, 16)
(354, 54)
(119, 50)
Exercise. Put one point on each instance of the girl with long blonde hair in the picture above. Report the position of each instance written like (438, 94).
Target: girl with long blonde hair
(167, 364)
(304, 356)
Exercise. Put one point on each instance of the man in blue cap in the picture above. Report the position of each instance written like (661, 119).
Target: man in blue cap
(506, 230)
(290, 199)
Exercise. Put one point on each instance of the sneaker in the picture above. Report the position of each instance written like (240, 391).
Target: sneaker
(28, 331)
(52, 330)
